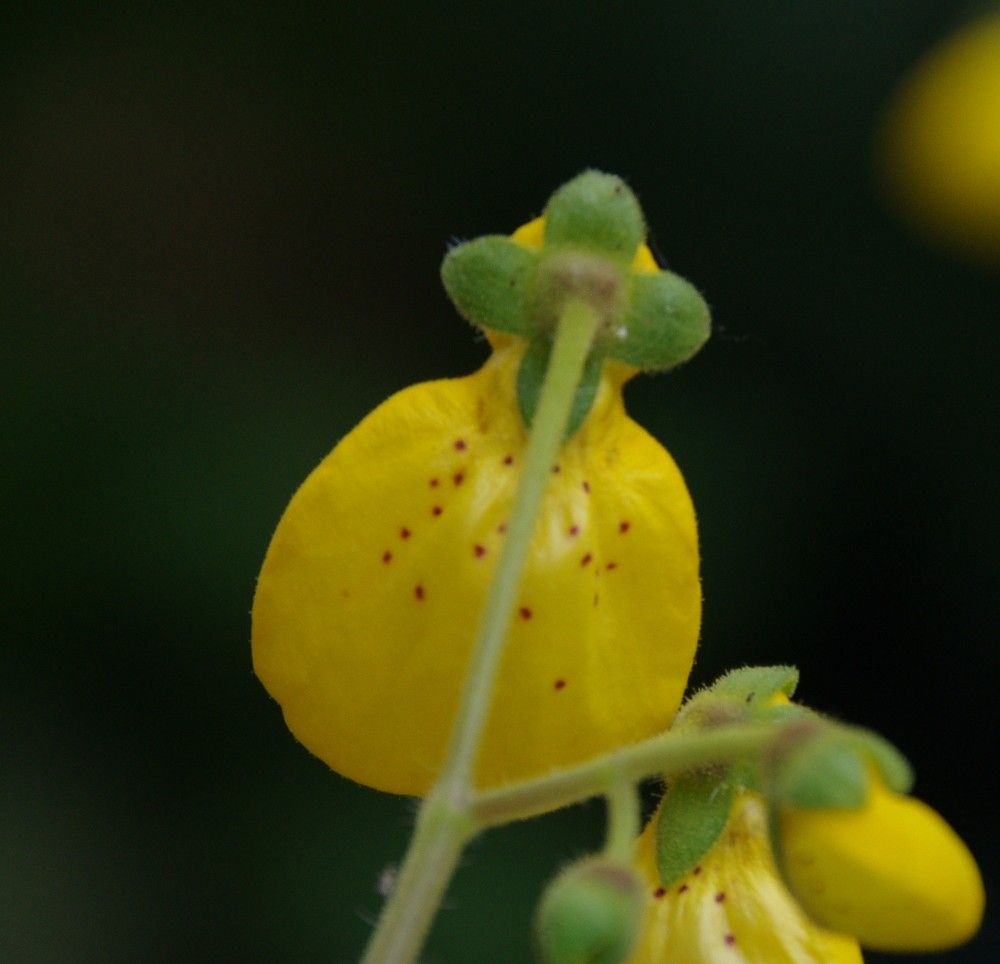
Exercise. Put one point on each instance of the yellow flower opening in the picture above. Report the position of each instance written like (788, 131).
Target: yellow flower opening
(372, 589)
(733, 906)
(892, 873)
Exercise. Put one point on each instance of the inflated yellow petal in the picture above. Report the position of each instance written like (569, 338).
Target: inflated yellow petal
(732, 907)
(373, 586)
(892, 873)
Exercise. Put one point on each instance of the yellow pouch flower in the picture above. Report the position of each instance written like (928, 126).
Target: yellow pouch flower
(876, 867)
(893, 872)
(369, 598)
(732, 906)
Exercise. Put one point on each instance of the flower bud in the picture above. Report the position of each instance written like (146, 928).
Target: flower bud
(590, 914)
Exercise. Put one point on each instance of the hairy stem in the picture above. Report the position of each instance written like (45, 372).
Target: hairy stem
(574, 336)
(624, 819)
(438, 839)
(444, 823)
(665, 755)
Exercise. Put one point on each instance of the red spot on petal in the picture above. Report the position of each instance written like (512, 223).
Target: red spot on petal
(458, 478)
(387, 556)
(559, 684)
(434, 483)
(682, 889)
(404, 533)
(556, 468)
(659, 892)
(573, 531)
(730, 940)
(479, 551)
(586, 486)
(460, 445)
(508, 460)
(696, 871)
(437, 510)
(502, 528)
(623, 527)
(418, 591)
(585, 561)
(525, 613)
(720, 897)
(611, 565)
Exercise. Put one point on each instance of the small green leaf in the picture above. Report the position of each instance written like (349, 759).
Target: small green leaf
(595, 212)
(894, 768)
(823, 771)
(693, 814)
(490, 281)
(746, 776)
(532, 374)
(757, 684)
(666, 322)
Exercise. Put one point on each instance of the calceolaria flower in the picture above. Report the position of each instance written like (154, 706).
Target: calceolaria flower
(732, 904)
(891, 872)
(373, 586)
(805, 858)
(940, 143)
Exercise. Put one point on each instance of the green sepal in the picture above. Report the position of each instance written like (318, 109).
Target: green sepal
(490, 281)
(823, 771)
(757, 684)
(666, 322)
(531, 375)
(746, 775)
(893, 767)
(781, 713)
(595, 212)
(694, 812)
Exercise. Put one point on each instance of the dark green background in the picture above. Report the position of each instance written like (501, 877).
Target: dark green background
(220, 229)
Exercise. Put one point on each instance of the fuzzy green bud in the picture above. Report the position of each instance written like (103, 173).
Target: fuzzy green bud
(590, 914)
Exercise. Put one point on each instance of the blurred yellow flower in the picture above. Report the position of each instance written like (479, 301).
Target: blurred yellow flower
(732, 906)
(372, 589)
(940, 143)
(892, 873)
